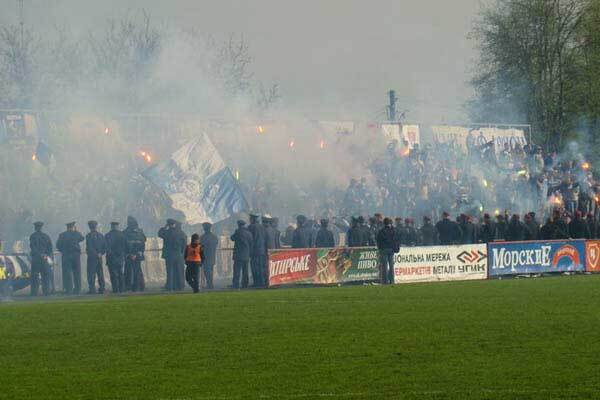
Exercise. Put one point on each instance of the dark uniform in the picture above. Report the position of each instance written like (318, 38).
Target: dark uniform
(116, 248)
(174, 243)
(163, 234)
(134, 255)
(258, 255)
(41, 251)
(487, 230)
(427, 233)
(547, 230)
(242, 248)
(302, 236)
(448, 231)
(95, 247)
(209, 243)
(68, 245)
(578, 228)
(516, 230)
(272, 243)
(501, 228)
(276, 232)
(412, 235)
(324, 236)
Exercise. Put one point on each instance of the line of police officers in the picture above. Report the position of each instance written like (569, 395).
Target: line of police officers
(124, 252)
(251, 246)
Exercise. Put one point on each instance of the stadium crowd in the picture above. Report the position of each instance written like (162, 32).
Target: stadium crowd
(534, 195)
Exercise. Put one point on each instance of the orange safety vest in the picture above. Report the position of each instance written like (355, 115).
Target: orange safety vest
(193, 254)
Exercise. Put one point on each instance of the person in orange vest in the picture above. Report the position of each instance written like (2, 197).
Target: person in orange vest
(193, 259)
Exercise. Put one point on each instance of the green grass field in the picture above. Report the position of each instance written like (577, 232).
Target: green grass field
(525, 339)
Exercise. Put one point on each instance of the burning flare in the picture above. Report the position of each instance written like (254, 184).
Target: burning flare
(292, 143)
(260, 129)
(322, 144)
(585, 166)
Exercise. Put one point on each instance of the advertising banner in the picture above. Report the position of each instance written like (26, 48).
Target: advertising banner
(323, 266)
(592, 255)
(440, 263)
(536, 257)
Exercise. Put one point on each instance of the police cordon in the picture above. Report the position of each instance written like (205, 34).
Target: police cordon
(420, 264)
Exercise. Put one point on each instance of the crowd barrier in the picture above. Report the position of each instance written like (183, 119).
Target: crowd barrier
(434, 263)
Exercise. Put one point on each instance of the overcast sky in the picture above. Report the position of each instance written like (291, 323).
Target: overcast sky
(333, 57)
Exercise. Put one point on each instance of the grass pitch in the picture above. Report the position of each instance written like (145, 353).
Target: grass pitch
(526, 339)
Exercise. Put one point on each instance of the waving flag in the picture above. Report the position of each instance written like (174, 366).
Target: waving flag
(199, 183)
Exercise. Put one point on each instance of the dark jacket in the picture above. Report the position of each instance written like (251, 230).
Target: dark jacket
(547, 231)
(560, 230)
(209, 243)
(427, 235)
(302, 237)
(501, 228)
(174, 242)
(388, 239)
(272, 238)
(40, 244)
(324, 238)
(116, 247)
(135, 239)
(68, 242)
(259, 246)
(487, 233)
(579, 229)
(95, 244)
(412, 236)
(516, 231)
(448, 232)
(357, 236)
(468, 233)
(532, 231)
(242, 244)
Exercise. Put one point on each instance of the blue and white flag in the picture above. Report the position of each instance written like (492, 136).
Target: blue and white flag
(199, 183)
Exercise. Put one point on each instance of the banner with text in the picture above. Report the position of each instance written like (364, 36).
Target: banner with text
(323, 266)
(440, 263)
(536, 257)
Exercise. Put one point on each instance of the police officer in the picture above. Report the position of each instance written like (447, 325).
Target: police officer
(272, 243)
(116, 247)
(242, 247)
(209, 243)
(95, 247)
(68, 245)
(134, 255)
(302, 236)
(354, 234)
(427, 233)
(448, 231)
(324, 235)
(164, 233)
(177, 245)
(41, 251)
(277, 233)
(258, 258)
